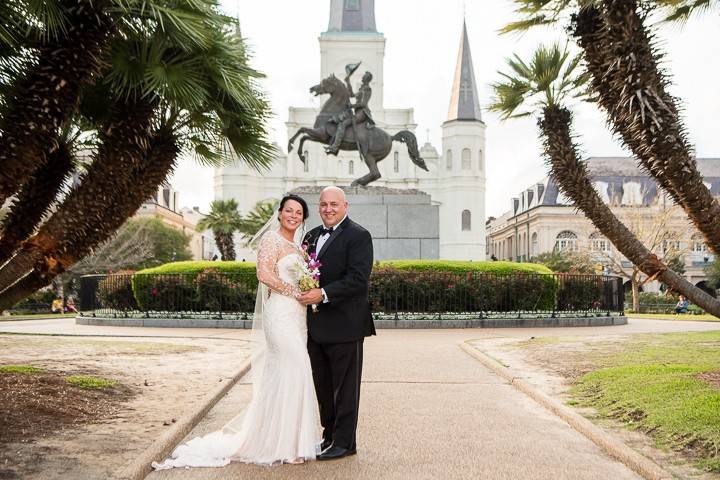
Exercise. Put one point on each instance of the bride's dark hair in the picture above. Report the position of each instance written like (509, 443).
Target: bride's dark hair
(300, 200)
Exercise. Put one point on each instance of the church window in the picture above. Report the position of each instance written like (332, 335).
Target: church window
(448, 159)
(396, 162)
(598, 243)
(351, 167)
(306, 163)
(480, 160)
(566, 241)
(466, 160)
(466, 221)
(352, 4)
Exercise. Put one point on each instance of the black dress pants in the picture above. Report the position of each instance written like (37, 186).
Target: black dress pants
(337, 372)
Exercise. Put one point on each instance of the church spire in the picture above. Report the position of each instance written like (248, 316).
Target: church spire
(464, 103)
(352, 16)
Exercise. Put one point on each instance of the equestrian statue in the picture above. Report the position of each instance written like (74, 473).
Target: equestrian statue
(342, 125)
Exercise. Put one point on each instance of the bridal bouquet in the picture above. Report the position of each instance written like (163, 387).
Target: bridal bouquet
(309, 272)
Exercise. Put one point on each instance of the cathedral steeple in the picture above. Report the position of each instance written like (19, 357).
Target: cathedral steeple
(464, 103)
(352, 16)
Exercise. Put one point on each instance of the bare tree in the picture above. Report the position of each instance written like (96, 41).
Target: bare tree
(127, 248)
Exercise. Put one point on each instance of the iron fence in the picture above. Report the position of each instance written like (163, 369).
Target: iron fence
(410, 294)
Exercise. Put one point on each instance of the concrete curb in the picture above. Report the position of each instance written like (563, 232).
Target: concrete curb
(611, 445)
(139, 468)
(535, 322)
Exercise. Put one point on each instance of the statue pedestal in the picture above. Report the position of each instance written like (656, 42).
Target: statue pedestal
(403, 223)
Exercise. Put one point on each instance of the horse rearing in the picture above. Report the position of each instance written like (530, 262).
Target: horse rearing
(375, 143)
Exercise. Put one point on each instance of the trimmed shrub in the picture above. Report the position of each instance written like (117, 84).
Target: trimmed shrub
(116, 291)
(165, 293)
(456, 266)
(392, 289)
(402, 285)
(220, 292)
(583, 292)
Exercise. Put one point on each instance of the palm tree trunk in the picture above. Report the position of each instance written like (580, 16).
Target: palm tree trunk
(40, 101)
(34, 200)
(146, 176)
(632, 89)
(225, 244)
(22, 289)
(123, 144)
(572, 177)
(635, 285)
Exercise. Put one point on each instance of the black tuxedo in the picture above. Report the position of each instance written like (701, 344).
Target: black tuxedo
(336, 331)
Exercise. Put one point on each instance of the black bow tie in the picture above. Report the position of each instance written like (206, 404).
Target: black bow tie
(326, 231)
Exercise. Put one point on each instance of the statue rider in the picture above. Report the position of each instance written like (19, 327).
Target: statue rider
(361, 109)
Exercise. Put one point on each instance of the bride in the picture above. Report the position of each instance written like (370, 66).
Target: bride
(281, 422)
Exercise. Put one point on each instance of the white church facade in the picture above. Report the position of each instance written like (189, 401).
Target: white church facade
(456, 177)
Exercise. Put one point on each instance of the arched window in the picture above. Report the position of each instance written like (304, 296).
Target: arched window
(396, 162)
(351, 167)
(566, 240)
(598, 243)
(698, 243)
(306, 164)
(466, 161)
(480, 160)
(466, 221)
(534, 244)
(448, 160)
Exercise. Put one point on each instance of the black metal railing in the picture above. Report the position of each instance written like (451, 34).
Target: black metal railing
(391, 293)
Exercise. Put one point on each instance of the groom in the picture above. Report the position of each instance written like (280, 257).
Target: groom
(337, 330)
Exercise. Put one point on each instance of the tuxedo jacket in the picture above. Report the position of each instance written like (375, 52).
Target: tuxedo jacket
(347, 259)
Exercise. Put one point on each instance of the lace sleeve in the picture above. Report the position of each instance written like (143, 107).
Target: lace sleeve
(267, 257)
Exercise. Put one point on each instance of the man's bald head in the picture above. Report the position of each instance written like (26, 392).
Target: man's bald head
(333, 205)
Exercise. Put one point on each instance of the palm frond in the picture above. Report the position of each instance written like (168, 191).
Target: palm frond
(552, 75)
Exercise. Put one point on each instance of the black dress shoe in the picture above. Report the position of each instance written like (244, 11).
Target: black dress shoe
(325, 445)
(333, 453)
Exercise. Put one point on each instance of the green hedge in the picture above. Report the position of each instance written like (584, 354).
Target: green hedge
(433, 290)
(456, 266)
(116, 292)
(400, 285)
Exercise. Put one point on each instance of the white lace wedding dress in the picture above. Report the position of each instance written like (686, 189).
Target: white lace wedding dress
(281, 424)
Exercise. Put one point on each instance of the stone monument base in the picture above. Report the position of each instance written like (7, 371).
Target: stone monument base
(404, 224)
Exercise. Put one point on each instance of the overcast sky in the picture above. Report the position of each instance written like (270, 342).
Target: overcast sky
(422, 38)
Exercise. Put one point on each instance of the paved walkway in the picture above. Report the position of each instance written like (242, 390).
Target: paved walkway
(428, 410)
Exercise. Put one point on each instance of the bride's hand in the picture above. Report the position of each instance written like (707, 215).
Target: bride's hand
(311, 297)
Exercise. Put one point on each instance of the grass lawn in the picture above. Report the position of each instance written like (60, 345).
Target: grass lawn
(670, 316)
(667, 385)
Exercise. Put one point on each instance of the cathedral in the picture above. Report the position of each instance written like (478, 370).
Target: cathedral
(456, 177)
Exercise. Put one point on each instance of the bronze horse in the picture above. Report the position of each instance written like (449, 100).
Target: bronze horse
(375, 144)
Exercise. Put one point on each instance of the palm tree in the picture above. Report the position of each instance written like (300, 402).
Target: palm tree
(50, 49)
(545, 84)
(43, 96)
(36, 196)
(257, 217)
(199, 100)
(623, 61)
(224, 220)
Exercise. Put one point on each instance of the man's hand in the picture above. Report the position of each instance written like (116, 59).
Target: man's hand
(311, 296)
